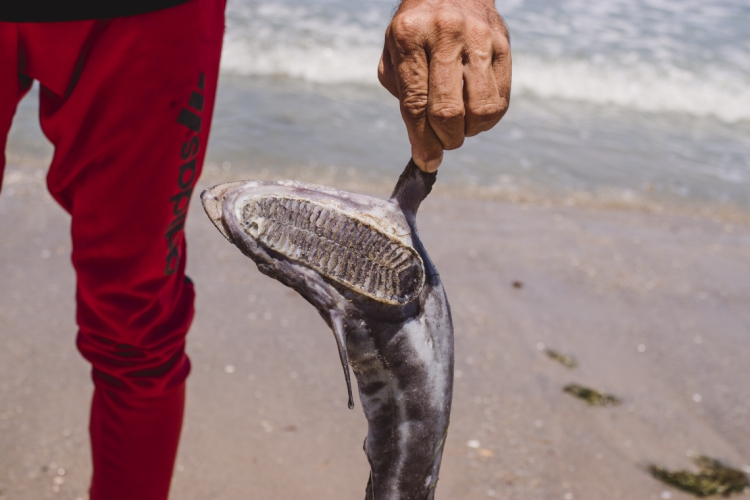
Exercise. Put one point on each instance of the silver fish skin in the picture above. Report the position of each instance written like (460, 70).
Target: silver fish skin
(398, 343)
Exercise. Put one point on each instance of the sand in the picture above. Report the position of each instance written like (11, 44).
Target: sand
(653, 306)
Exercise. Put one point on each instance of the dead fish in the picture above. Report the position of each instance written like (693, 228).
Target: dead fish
(359, 261)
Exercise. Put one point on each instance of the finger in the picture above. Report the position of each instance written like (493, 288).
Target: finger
(502, 68)
(426, 146)
(446, 101)
(412, 80)
(386, 73)
(482, 101)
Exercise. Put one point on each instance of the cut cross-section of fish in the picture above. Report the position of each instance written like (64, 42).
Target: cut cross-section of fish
(337, 245)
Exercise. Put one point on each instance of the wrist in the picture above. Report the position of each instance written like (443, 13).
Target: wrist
(407, 4)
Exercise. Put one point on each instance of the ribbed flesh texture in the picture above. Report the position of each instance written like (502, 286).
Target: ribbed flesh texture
(337, 246)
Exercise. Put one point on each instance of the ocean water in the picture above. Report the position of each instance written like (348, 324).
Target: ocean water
(682, 56)
(632, 101)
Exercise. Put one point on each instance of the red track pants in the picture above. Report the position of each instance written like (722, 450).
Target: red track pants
(127, 103)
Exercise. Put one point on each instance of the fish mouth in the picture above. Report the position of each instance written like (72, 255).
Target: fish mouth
(213, 199)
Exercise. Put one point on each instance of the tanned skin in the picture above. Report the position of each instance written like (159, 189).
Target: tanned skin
(449, 64)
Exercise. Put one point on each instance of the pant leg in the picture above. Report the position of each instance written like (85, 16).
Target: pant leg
(13, 85)
(130, 130)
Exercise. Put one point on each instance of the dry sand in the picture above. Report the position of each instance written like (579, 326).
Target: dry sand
(267, 416)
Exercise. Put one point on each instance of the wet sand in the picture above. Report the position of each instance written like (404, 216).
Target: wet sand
(653, 306)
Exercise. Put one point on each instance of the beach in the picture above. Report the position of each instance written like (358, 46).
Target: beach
(652, 306)
(605, 219)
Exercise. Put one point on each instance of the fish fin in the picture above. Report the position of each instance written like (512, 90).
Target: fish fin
(337, 324)
(368, 490)
(412, 187)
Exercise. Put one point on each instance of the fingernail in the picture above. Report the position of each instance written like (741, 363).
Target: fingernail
(423, 163)
(432, 165)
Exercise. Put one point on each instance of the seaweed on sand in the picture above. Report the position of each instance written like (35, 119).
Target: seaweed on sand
(714, 478)
(592, 396)
(565, 359)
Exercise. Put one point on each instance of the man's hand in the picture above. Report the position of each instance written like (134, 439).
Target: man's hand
(448, 63)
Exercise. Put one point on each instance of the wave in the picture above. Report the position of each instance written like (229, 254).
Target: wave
(627, 59)
(317, 64)
(642, 88)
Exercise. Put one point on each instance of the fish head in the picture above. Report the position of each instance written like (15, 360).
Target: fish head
(359, 245)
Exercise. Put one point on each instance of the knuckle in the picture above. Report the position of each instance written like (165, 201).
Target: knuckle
(486, 111)
(446, 112)
(480, 37)
(501, 43)
(478, 56)
(447, 119)
(448, 21)
(502, 47)
(405, 29)
(503, 28)
(496, 22)
(484, 116)
(414, 105)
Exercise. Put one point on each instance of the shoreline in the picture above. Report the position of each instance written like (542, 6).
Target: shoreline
(604, 199)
